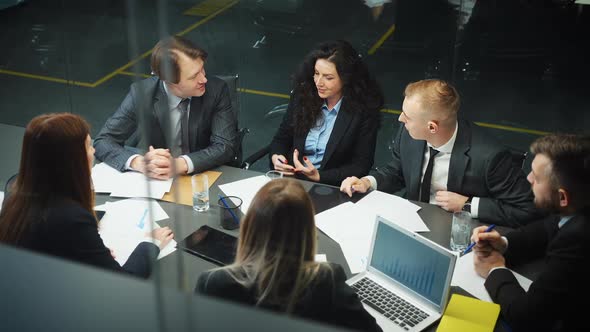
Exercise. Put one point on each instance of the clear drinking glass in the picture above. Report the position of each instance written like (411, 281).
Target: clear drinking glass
(200, 184)
(271, 175)
(460, 231)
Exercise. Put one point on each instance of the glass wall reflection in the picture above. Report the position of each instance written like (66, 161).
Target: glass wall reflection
(519, 67)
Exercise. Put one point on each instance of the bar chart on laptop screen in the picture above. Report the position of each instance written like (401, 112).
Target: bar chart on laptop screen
(410, 262)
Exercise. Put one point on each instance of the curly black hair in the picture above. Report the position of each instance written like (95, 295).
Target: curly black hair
(358, 86)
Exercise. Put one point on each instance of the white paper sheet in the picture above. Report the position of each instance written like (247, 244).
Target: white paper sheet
(321, 258)
(104, 178)
(127, 184)
(126, 223)
(395, 209)
(352, 227)
(245, 189)
(465, 277)
(1, 199)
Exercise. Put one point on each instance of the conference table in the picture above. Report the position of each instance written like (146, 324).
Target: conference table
(182, 269)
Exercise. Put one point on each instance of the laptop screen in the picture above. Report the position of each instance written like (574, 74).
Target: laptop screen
(410, 262)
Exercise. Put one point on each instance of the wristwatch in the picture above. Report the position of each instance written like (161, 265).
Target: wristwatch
(467, 205)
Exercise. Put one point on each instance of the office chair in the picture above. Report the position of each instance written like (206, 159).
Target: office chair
(276, 112)
(519, 158)
(8, 188)
(233, 84)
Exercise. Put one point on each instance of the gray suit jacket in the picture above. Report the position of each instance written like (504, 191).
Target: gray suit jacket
(212, 125)
(479, 167)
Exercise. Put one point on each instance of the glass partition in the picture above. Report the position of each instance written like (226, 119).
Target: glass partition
(519, 66)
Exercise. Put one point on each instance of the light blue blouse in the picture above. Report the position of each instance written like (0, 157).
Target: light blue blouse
(317, 138)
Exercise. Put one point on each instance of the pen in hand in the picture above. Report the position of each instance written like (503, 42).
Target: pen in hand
(468, 249)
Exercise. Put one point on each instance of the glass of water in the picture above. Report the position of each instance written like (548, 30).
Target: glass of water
(460, 231)
(271, 175)
(200, 183)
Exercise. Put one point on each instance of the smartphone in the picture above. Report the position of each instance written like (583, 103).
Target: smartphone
(211, 244)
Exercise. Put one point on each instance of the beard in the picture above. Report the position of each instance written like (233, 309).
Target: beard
(549, 204)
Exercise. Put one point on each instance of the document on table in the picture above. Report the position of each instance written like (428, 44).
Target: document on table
(245, 189)
(465, 277)
(395, 209)
(352, 227)
(127, 184)
(126, 223)
(321, 258)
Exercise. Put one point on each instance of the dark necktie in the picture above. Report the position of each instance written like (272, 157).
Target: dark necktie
(425, 186)
(184, 139)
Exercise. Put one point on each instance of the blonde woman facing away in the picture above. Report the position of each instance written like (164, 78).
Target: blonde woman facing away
(275, 268)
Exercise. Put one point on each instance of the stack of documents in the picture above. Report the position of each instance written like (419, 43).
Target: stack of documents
(468, 314)
(351, 225)
(127, 223)
(395, 209)
(127, 184)
(465, 277)
(351, 228)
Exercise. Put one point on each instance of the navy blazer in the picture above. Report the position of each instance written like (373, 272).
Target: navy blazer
(67, 230)
(555, 299)
(212, 125)
(350, 150)
(479, 167)
(328, 299)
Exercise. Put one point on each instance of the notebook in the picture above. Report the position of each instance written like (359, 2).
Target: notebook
(469, 314)
(407, 282)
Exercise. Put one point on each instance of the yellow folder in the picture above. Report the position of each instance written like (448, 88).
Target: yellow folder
(469, 314)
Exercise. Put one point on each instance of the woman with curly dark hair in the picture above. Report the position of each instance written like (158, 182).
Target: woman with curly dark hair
(332, 119)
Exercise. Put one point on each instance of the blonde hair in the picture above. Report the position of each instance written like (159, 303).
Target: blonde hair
(277, 245)
(438, 97)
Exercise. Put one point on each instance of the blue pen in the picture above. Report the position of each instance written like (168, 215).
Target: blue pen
(141, 222)
(229, 209)
(490, 227)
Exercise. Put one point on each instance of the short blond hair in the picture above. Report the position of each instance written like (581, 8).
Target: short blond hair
(436, 95)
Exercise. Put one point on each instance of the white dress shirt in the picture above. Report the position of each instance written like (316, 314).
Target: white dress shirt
(440, 171)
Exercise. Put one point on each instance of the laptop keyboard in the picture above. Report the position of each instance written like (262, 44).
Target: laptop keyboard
(396, 309)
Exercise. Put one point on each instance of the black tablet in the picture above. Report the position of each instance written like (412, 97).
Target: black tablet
(325, 197)
(211, 244)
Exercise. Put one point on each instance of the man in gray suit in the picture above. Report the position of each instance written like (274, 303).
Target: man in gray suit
(450, 162)
(183, 121)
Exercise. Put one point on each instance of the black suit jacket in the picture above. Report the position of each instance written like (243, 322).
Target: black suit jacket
(67, 230)
(350, 150)
(557, 298)
(212, 125)
(329, 299)
(479, 167)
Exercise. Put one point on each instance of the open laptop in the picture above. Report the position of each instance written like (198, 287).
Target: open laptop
(407, 282)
